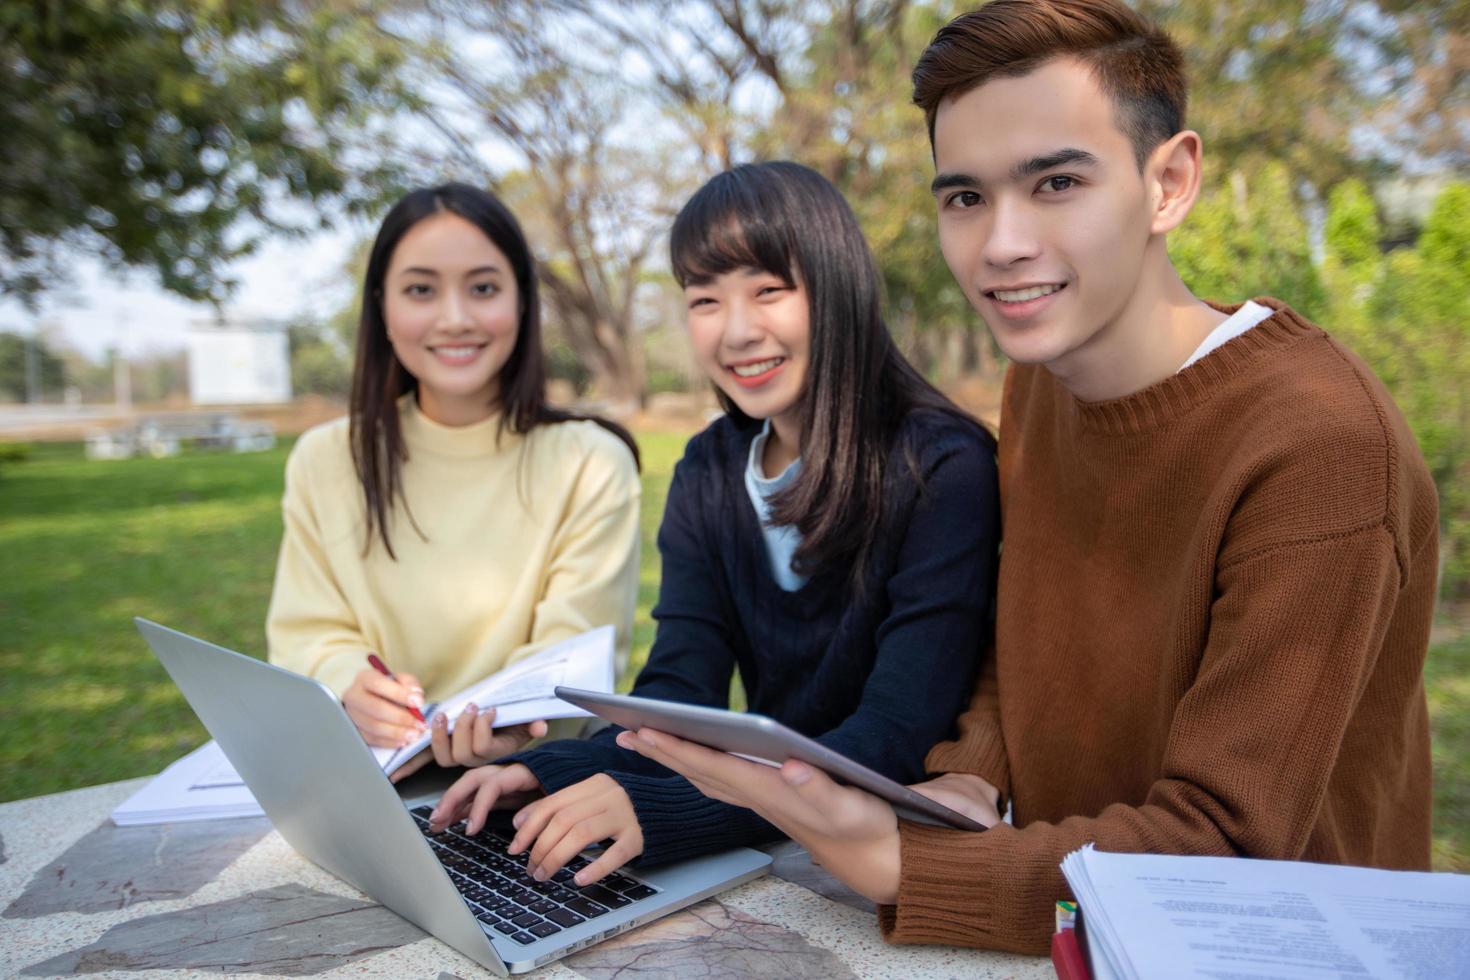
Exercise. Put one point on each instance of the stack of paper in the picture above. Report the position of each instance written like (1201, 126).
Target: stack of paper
(1149, 915)
(200, 786)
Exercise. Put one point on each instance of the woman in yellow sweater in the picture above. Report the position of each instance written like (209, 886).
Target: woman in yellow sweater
(453, 522)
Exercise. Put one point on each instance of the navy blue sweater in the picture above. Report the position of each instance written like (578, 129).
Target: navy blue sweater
(879, 676)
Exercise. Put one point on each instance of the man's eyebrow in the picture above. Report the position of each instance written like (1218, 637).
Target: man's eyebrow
(1035, 165)
(1022, 170)
(945, 181)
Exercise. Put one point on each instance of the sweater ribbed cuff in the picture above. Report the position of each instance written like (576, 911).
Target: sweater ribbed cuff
(557, 765)
(678, 821)
(950, 894)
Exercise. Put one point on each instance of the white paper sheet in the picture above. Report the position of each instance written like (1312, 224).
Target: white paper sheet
(1153, 916)
(200, 786)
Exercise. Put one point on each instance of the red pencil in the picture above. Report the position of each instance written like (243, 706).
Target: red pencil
(382, 668)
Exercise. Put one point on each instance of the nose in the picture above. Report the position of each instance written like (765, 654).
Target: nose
(1012, 235)
(742, 324)
(454, 311)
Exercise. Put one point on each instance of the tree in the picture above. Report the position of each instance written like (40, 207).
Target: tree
(824, 84)
(1328, 88)
(1247, 238)
(161, 134)
(1408, 315)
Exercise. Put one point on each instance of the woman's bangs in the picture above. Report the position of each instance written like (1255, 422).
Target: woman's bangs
(718, 232)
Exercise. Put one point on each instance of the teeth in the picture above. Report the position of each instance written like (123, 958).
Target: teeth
(751, 370)
(456, 352)
(1022, 295)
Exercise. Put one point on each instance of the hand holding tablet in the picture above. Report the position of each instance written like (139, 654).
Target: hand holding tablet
(761, 739)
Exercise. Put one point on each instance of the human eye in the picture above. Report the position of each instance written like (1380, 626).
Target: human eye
(960, 200)
(417, 290)
(1056, 184)
(485, 289)
(697, 302)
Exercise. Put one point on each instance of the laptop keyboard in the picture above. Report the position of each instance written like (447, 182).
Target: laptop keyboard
(506, 898)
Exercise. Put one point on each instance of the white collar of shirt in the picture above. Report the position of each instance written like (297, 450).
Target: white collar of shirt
(1249, 314)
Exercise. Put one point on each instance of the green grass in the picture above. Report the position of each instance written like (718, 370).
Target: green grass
(191, 542)
(1447, 680)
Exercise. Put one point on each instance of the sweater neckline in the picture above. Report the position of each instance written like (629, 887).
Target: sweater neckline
(815, 590)
(476, 439)
(1179, 393)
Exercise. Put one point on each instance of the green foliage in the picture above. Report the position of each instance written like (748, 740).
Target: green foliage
(1247, 238)
(1351, 240)
(15, 353)
(158, 134)
(1408, 315)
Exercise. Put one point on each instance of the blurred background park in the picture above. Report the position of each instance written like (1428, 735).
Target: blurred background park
(187, 190)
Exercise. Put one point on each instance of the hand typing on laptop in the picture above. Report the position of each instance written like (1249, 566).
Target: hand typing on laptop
(555, 828)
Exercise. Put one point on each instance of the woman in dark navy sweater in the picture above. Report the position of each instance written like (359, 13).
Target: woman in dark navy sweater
(833, 536)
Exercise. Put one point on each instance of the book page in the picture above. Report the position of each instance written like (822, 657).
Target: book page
(524, 691)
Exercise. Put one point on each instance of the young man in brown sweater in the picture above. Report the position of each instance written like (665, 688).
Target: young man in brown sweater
(1220, 537)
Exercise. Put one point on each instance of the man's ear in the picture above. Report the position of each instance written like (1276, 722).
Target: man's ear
(1172, 173)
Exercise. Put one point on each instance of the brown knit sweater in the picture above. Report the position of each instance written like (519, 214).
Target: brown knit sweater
(1214, 604)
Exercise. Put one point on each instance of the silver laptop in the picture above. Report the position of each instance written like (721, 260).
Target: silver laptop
(295, 747)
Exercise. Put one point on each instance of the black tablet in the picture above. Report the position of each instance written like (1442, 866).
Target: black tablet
(764, 740)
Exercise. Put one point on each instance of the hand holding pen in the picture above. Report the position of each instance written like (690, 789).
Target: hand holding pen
(385, 707)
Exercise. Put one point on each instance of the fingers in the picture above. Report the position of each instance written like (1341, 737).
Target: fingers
(718, 774)
(377, 705)
(381, 723)
(404, 690)
(566, 823)
(463, 737)
(620, 853)
(456, 798)
(439, 740)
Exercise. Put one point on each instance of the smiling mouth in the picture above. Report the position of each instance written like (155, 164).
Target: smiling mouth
(459, 352)
(1024, 295)
(755, 369)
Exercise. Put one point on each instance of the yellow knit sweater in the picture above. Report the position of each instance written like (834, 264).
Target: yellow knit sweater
(526, 540)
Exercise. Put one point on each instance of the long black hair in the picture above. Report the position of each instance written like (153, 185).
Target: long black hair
(379, 378)
(786, 219)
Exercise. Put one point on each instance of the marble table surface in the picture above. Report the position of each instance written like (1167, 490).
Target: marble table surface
(81, 896)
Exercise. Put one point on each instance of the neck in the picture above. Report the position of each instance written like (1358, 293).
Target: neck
(456, 411)
(783, 446)
(1155, 332)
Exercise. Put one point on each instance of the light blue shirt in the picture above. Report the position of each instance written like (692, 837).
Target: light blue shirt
(781, 541)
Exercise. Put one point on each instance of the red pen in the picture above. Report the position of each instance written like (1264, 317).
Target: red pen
(382, 668)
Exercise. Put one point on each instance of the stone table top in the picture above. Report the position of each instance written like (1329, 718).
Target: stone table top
(82, 896)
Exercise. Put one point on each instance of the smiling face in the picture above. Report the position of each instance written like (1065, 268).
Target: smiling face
(1045, 219)
(750, 330)
(452, 310)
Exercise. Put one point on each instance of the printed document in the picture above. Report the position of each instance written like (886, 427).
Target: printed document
(1148, 915)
